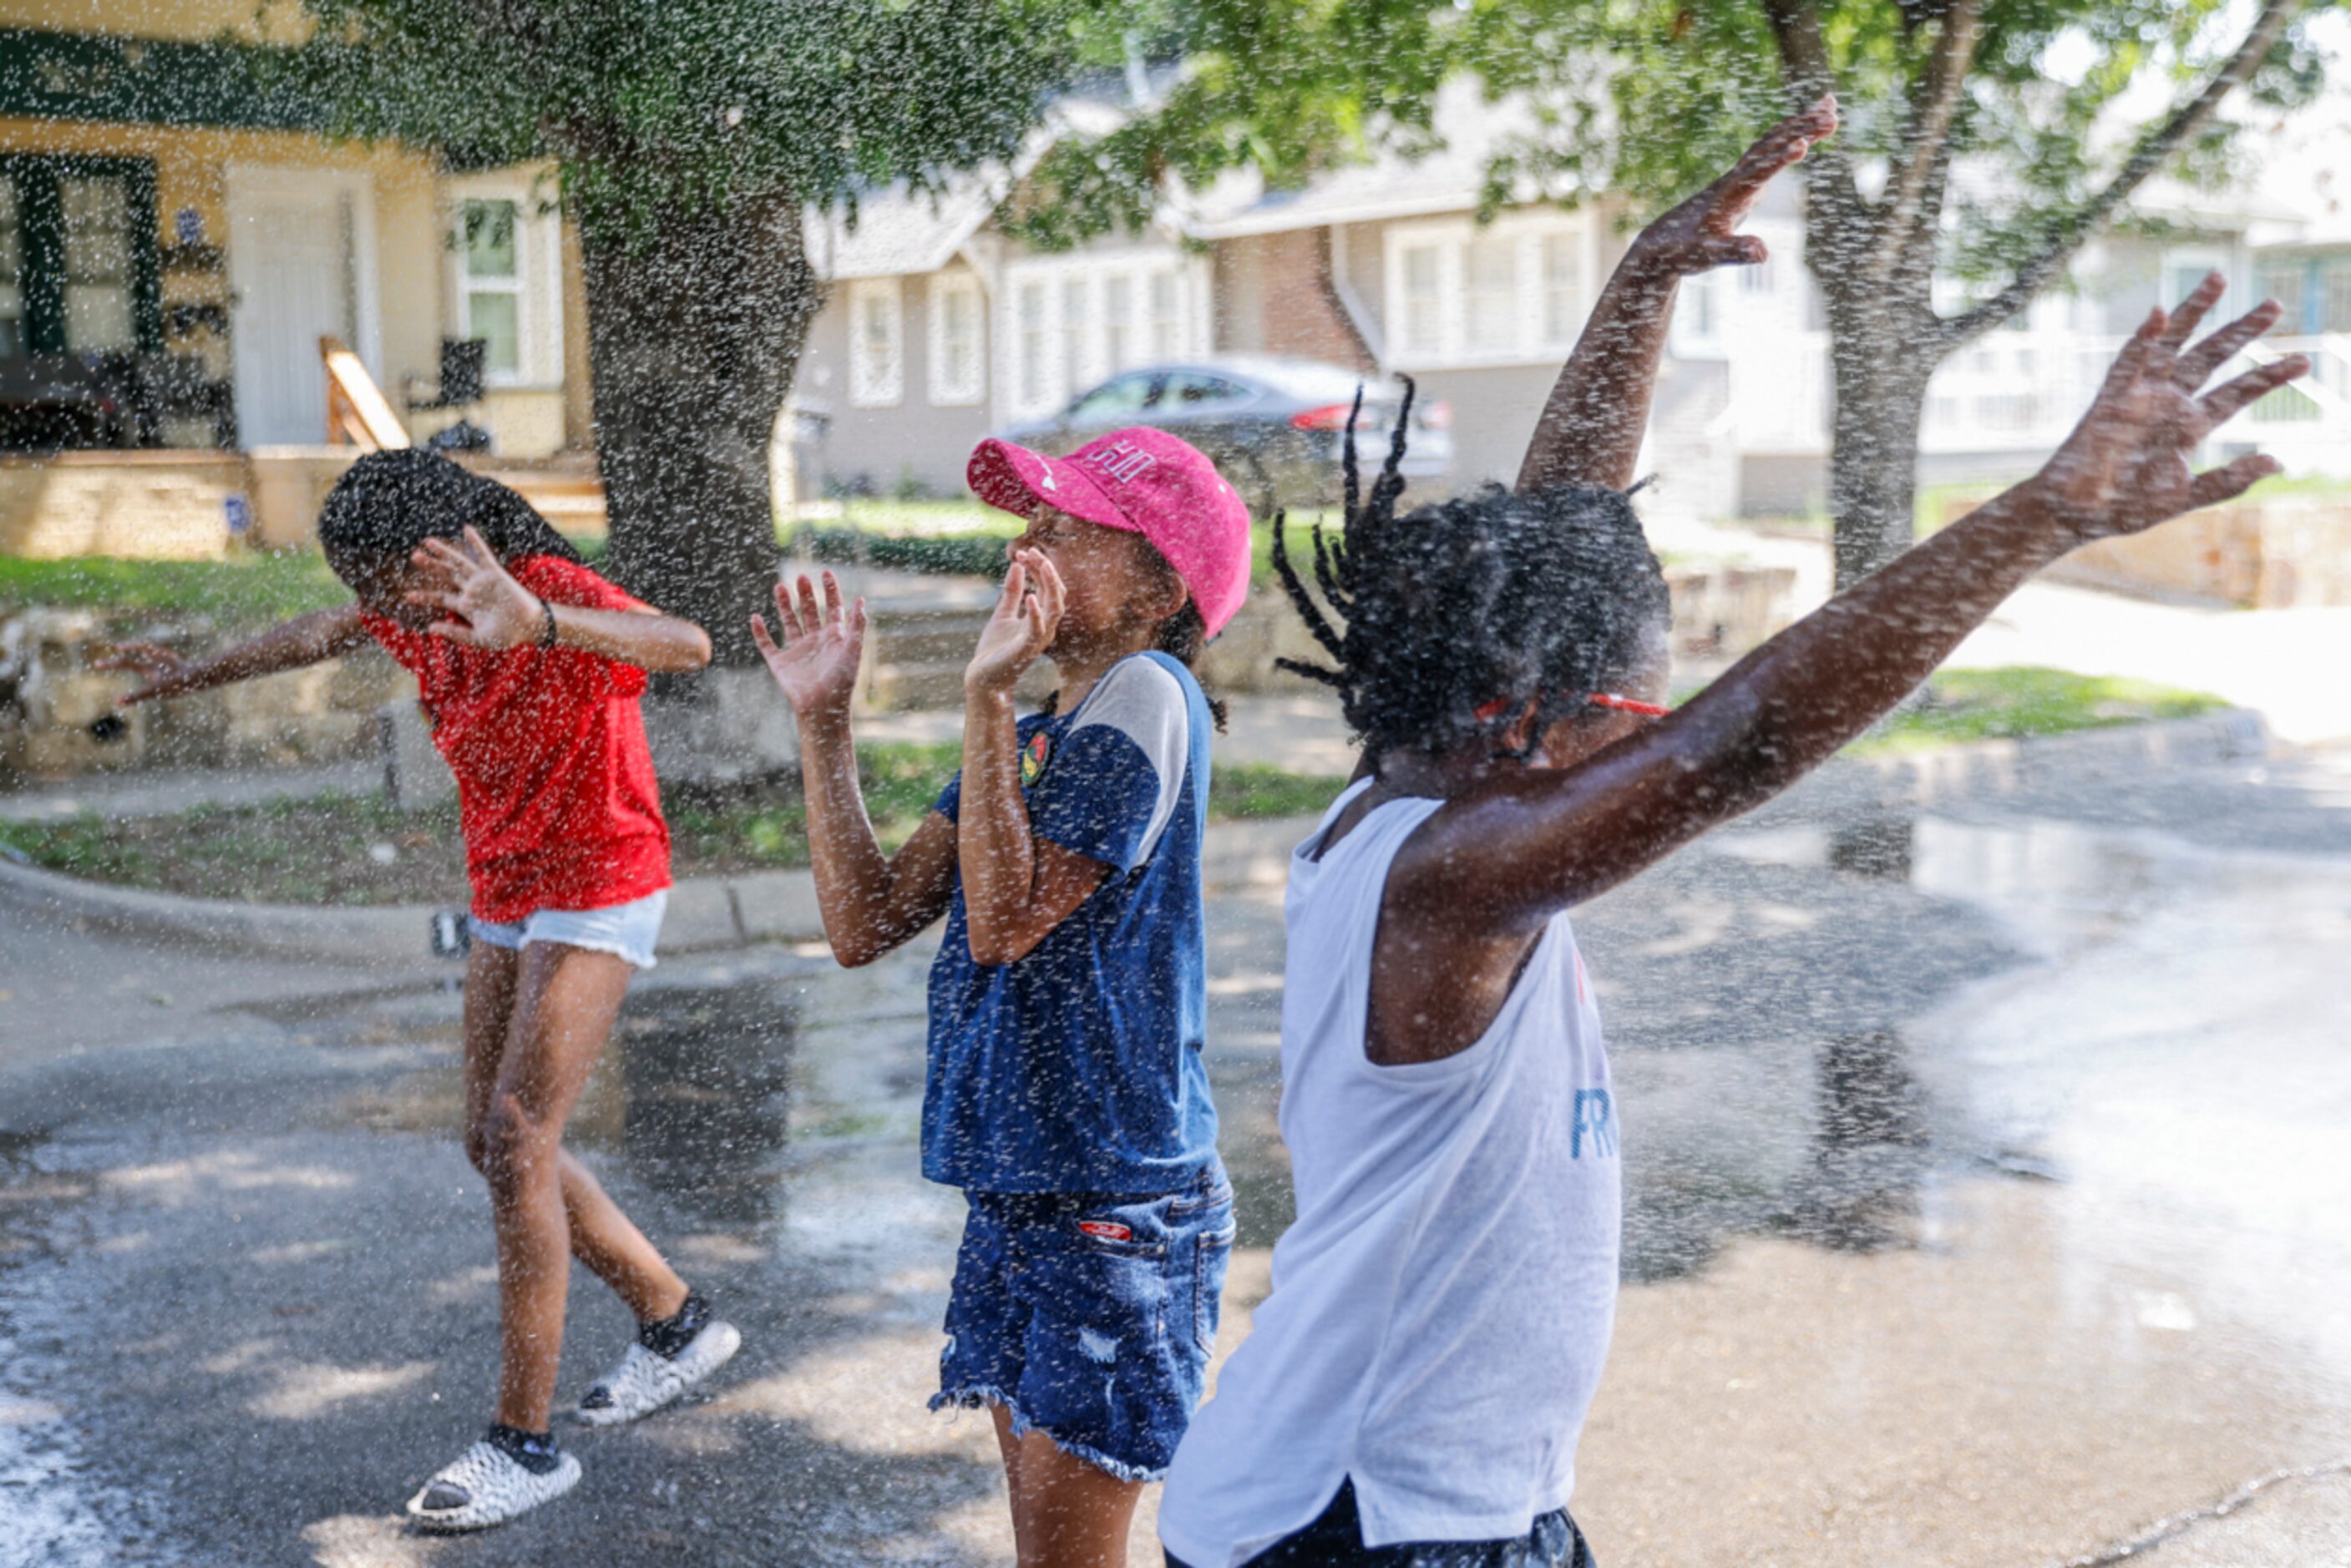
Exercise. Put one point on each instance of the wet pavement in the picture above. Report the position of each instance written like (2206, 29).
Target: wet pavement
(1986, 1178)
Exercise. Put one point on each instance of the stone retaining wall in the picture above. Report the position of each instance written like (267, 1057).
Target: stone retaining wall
(58, 716)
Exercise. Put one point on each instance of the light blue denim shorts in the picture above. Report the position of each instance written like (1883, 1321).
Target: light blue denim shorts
(628, 929)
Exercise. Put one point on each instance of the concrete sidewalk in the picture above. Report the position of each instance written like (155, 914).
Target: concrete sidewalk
(2291, 666)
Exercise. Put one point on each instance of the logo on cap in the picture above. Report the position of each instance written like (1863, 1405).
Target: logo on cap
(1122, 460)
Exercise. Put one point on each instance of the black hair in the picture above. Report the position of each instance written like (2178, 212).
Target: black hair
(389, 502)
(1548, 597)
(1184, 636)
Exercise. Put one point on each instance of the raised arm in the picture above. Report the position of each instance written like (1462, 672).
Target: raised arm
(289, 645)
(1530, 844)
(1590, 429)
(1016, 886)
(486, 607)
(872, 901)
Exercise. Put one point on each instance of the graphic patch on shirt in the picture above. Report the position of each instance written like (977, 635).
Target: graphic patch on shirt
(1593, 1126)
(1033, 757)
(1106, 1230)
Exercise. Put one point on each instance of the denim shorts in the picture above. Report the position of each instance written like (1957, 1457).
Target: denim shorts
(1090, 1316)
(628, 929)
(1336, 1540)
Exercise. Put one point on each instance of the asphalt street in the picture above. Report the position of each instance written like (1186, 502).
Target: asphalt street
(1985, 1206)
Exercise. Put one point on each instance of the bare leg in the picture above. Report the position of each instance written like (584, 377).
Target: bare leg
(602, 1236)
(1066, 1513)
(565, 1000)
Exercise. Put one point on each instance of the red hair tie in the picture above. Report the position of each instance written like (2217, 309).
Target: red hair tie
(1485, 712)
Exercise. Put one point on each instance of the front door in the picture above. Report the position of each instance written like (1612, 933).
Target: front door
(290, 251)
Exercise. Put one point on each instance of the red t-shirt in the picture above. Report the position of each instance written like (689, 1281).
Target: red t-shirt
(555, 784)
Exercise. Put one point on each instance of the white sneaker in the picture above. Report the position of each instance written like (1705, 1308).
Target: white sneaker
(487, 1487)
(646, 1380)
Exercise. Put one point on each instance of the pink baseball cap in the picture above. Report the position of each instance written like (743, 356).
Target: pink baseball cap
(1140, 480)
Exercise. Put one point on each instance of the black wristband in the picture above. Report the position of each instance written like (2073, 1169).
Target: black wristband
(547, 637)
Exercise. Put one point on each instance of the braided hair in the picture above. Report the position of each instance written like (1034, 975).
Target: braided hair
(389, 502)
(1546, 597)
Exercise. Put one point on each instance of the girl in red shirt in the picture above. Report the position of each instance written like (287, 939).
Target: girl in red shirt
(530, 666)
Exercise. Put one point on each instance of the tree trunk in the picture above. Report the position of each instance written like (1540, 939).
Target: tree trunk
(696, 325)
(1881, 372)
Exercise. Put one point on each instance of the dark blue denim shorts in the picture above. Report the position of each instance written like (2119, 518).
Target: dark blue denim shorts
(1090, 1316)
(1336, 1540)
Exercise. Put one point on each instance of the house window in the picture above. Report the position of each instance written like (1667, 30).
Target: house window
(490, 258)
(11, 275)
(79, 271)
(1421, 332)
(2334, 296)
(1034, 391)
(2282, 283)
(1077, 319)
(955, 349)
(1122, 341)
(1562, 287)
(1166, 314)
(96, 210)
(1077, 368)
(1489, 293)
(1513, 292)
(877, 343)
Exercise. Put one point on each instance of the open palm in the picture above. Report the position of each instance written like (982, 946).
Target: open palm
(1028, 613)
(2126, 466)
(816, 661)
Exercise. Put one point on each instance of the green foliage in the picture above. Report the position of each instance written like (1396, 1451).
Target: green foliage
(247, 591)
(1652, 98)
(651, 106)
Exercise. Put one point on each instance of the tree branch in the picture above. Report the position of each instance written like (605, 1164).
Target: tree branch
(1828, 172)
(2067, 230)
(1926, 136)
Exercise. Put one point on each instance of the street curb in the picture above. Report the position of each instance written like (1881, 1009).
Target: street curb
(707, 913)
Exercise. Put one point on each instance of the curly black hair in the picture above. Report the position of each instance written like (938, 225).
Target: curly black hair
(1549, 597)
(389, 502)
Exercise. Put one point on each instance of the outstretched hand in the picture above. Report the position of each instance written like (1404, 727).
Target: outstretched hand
(1028, 613)
(482, 606)
(2125, 468)
(158, 667)
(1698, 235)
(816, 663)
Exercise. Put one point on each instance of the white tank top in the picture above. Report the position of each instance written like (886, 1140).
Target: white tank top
(1442, 1304)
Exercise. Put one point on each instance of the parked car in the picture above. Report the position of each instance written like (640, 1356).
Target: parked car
(1272, 424)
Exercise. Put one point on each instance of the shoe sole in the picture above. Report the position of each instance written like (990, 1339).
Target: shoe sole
(471, 1518)
(722, 1339)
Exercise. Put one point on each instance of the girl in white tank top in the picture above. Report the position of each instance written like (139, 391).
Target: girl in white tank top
(1413, 1389)
(1455, 1247)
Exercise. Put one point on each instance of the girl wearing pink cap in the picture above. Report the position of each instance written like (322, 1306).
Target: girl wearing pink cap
(1066, 1094)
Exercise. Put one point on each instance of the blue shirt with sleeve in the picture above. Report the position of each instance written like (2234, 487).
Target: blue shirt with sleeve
(1078, 1068)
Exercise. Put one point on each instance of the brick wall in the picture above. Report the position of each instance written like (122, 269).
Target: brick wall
(1275, 290)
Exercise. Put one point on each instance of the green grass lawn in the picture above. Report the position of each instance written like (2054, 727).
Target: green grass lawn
(342, 849)
(251, 588)
(2025, 700)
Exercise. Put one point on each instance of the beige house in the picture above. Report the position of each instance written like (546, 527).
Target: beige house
(165, 225)
(939, 328)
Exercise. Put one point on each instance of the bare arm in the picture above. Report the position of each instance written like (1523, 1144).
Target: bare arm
(289, 645)
(872, 902)
(487, 608)
(1525, 847)
(1590, 429)
(1017, 886)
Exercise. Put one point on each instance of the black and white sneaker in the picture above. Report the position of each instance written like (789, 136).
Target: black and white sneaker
(667, 1359)
(488, 1485)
